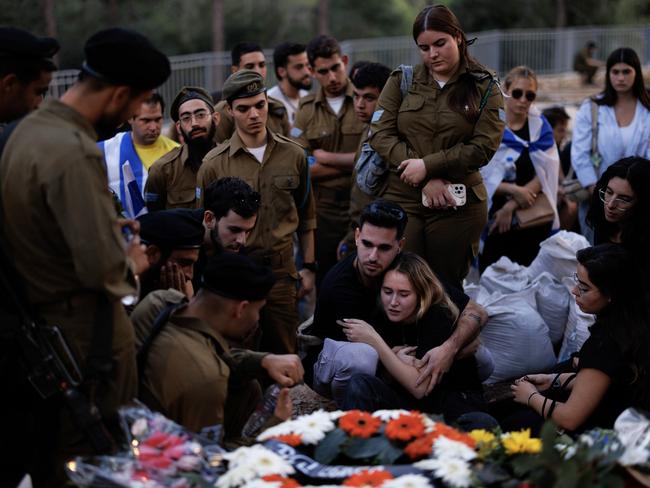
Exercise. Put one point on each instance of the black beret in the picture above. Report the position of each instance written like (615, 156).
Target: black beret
(236, 276)
(190, 93)
(177, 228)
(244, 83)
(124, 57)
(19, 42)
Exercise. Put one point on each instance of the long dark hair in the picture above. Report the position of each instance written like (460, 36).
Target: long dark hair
(466, 93)
(635, 229)
(625, 319)
(628, 56)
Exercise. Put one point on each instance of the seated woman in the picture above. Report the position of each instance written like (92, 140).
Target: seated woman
(416, 316)
(620, 209)
(613, 367)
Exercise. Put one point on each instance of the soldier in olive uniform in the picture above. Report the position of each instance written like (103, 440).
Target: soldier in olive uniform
(249, 55)
(327, 126)
(172, 179)
(448, 125)
(275, 167)
(214, 385)
(61, 224)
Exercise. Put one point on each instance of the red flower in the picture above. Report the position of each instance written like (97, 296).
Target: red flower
(368, 478)
(290, 439)
(420, 447)
(454, 435)
(405, 427)
(284, 482)
(359, 424)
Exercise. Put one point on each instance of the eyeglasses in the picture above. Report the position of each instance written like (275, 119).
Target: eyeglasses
(334, 68)
(518, 93)
(199, 115)
(582, 289)
(619, 203)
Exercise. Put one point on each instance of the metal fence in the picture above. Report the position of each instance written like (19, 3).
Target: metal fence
(547, 51)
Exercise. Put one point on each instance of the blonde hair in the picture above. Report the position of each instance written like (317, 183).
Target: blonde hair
(425, 283)
(519, 72)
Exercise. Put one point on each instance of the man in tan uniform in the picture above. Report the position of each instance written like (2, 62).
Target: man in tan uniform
(61, 225)
(327, 126)
(276, 167)
(214, 385)
(172, 179)
(249, 55)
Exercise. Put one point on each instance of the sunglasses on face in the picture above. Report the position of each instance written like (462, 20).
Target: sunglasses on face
(517, 94)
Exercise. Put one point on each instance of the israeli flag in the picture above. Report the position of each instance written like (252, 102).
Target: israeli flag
(133, 203)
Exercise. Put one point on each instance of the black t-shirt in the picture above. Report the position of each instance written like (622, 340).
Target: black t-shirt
(601, 352)
(432, 330)
(342, 296)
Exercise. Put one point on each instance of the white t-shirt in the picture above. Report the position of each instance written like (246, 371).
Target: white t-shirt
(626, 133)
(258, 152)
(441, 84)
(336, 103)
(291, 104)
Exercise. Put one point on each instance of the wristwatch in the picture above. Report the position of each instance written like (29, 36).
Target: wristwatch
(313, 267)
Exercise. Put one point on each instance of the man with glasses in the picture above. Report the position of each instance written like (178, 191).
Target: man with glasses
(276, 167)
(326, 124)
(172, 179)
(350, 290)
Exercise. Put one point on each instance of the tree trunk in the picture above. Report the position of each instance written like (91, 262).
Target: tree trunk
(560, 13)
(50, 22)
(323, 16)
(217, 43)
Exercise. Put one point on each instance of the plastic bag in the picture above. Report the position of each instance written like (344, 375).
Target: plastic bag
(633, 429)
(517, 336)
(557, 255)
(504, 276)
(552, 300)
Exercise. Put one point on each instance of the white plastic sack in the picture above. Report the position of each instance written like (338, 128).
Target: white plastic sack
(557, 255)
(577, 327)
(504, 276)
(633, 430)
(552, 299)
(472, 290)
(517, 336)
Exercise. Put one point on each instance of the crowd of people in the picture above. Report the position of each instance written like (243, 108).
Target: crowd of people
(170, 268)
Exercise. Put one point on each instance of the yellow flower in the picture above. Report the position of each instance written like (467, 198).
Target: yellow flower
(521, 443)
(482, 436)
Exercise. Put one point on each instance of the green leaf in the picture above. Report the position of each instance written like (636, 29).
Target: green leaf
(330, 446)
(358, 448)
(490, 474)
(389, 454)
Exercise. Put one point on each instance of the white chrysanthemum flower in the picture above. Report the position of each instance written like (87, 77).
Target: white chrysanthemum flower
(429, 425)
(236, 477)
(586, 440)
(444, 448)
(285, 428)
(454, 472)
(313, 427)
(261, 460)
(387, 415)
(408, 481)
(336, 414)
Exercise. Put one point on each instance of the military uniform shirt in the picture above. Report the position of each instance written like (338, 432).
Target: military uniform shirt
(171, 182)
(278, 120)
(282, 179)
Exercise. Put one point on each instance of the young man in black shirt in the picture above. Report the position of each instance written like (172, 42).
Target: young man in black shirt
(350, 290)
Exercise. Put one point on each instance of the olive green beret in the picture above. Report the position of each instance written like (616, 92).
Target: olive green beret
(244, 83)
(190, 93)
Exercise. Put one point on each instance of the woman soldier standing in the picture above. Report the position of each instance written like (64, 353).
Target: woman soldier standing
(446, 127)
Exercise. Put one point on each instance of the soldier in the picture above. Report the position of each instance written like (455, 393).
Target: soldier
(173, 239)
(326, 124)
(249, 55)
(294, 76)
(25, 71)
(214, 385)
(172, 179)
(275, 167)
(54, 184)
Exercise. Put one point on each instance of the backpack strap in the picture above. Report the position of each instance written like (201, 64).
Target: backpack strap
(407, 79)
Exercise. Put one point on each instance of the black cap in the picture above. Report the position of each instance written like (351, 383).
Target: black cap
(236, 276)
(245, 83)
(177, 228)
(190, 93)
(19, 42)
(124, 57)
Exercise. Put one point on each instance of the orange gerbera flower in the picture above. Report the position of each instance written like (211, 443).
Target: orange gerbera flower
(291, 439)
(405, 427)
(359, 424)
(368, 478)
(284, 482)
(421, 446)
(453, 434)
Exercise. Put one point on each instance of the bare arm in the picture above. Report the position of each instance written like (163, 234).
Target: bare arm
(341, 161)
